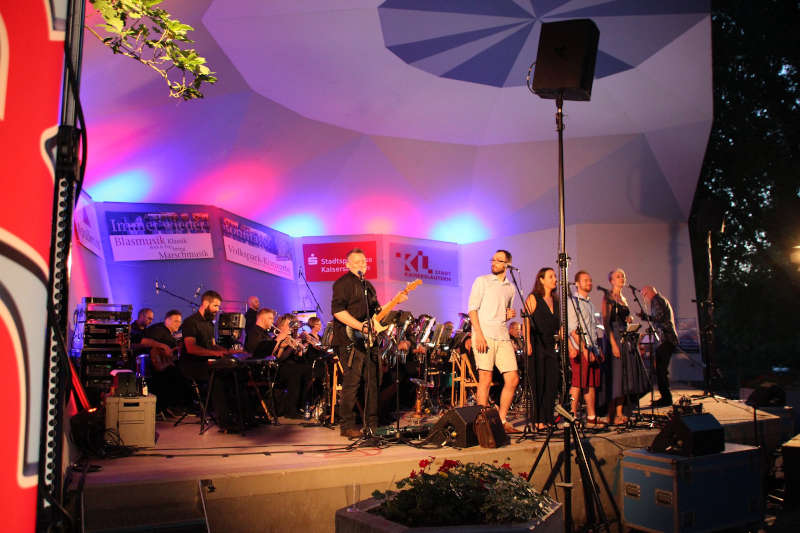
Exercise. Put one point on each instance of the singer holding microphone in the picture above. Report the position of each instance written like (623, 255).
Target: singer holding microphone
(491, 303)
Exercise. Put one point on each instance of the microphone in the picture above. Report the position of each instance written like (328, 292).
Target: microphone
(300, 272)
(512, 267)
(157, 288)
(599, 288)
(571, 283)
(566, 414)
(197, 291)
(633, 288)
(360, 275)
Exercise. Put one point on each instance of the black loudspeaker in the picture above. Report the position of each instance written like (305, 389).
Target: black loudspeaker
(456, 427)
(565, 60)
(767, 395)
(690, 435)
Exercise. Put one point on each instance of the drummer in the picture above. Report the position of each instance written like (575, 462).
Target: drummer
(261, 339)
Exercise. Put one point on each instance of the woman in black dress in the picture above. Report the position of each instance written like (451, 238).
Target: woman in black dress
(627, 376)
(544, 329)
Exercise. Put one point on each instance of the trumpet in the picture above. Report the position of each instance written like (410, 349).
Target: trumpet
(274, 330)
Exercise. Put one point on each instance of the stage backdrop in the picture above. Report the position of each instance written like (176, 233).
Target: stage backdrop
(203, 248)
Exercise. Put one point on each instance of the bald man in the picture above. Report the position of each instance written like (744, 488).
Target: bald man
(253, 305)
(663, 320)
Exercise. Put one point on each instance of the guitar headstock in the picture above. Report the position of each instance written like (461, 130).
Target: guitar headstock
(412, 285)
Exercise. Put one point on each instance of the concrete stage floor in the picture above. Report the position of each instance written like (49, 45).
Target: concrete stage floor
(293, 478)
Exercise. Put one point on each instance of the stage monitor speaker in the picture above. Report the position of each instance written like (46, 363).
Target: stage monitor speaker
(767, 395)
(690, 435)
(456, 427)
(566, 59)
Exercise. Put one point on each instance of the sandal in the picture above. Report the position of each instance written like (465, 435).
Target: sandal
(595, 423)
(620, 421)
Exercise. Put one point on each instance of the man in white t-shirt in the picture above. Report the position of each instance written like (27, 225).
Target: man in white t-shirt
(490, 307)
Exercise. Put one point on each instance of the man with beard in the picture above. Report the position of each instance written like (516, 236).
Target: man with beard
(200, 347)
(490, 307)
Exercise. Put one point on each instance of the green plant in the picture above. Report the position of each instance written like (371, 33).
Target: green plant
(462, 494)
(141, 31)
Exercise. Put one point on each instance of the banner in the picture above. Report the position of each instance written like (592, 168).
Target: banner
(31, 48)
(256, 246)
(159, 236)
(438, 266)
(86, 229)
(326, 261)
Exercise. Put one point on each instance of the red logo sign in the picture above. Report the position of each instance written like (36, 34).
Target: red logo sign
(326, 261)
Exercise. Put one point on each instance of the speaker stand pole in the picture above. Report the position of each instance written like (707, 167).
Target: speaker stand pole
(562, 312)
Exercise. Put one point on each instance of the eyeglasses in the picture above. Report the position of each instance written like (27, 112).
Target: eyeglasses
(497, 261)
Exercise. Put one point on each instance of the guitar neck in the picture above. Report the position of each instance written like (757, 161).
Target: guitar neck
(386, 309)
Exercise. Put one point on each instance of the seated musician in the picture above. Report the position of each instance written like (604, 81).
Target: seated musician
(294, 374)
(200, 347)
(170, 387)
(261, 341)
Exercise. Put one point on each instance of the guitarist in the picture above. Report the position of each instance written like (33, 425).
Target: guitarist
(168, 384)
(351, 308)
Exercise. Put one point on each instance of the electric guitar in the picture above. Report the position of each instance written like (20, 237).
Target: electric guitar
(377, 327)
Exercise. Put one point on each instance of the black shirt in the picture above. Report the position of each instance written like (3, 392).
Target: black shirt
(201, 329)
(348, 295)
(161, 333)
(250, 319)
(260, 342)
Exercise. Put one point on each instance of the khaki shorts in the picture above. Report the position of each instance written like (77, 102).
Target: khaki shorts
(500, 353)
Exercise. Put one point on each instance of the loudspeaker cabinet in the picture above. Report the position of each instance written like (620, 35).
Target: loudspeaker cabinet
(671, 493)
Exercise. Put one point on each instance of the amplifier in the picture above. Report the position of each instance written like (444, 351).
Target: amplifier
(100, 355)
(231, 321)
(106, 331)
(98, 370)
(103, 384)
(134, 419)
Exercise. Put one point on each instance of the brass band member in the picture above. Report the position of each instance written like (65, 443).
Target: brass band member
(261, 341)
(294, 373)
(490, 307)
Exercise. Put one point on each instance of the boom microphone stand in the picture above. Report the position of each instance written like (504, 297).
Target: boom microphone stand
(527, 398)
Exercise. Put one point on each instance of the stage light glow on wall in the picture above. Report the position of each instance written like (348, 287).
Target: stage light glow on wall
(462, 228)
(130, 186)
(300, 225)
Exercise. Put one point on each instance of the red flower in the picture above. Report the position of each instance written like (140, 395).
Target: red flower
(523, 475)
(413, 474)
(506, 466)
(448, 464)
(424, 463)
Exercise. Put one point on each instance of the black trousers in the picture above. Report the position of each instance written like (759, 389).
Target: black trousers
(663, 355)
(295, 378)
(361, 369)
(545, 388)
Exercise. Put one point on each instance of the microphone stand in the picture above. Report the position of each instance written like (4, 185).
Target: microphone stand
(582, 330)
(368, 436)
(527, 398)
(318, 308)
(163, 288)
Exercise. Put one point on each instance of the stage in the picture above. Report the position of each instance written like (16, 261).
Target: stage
(293, 477)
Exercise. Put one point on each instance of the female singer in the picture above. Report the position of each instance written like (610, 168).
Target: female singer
(542, 305)
(629, 380)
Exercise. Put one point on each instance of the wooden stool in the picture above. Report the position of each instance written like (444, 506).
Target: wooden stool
(464, 376)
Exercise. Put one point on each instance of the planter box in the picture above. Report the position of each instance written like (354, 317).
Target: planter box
(362, 521)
